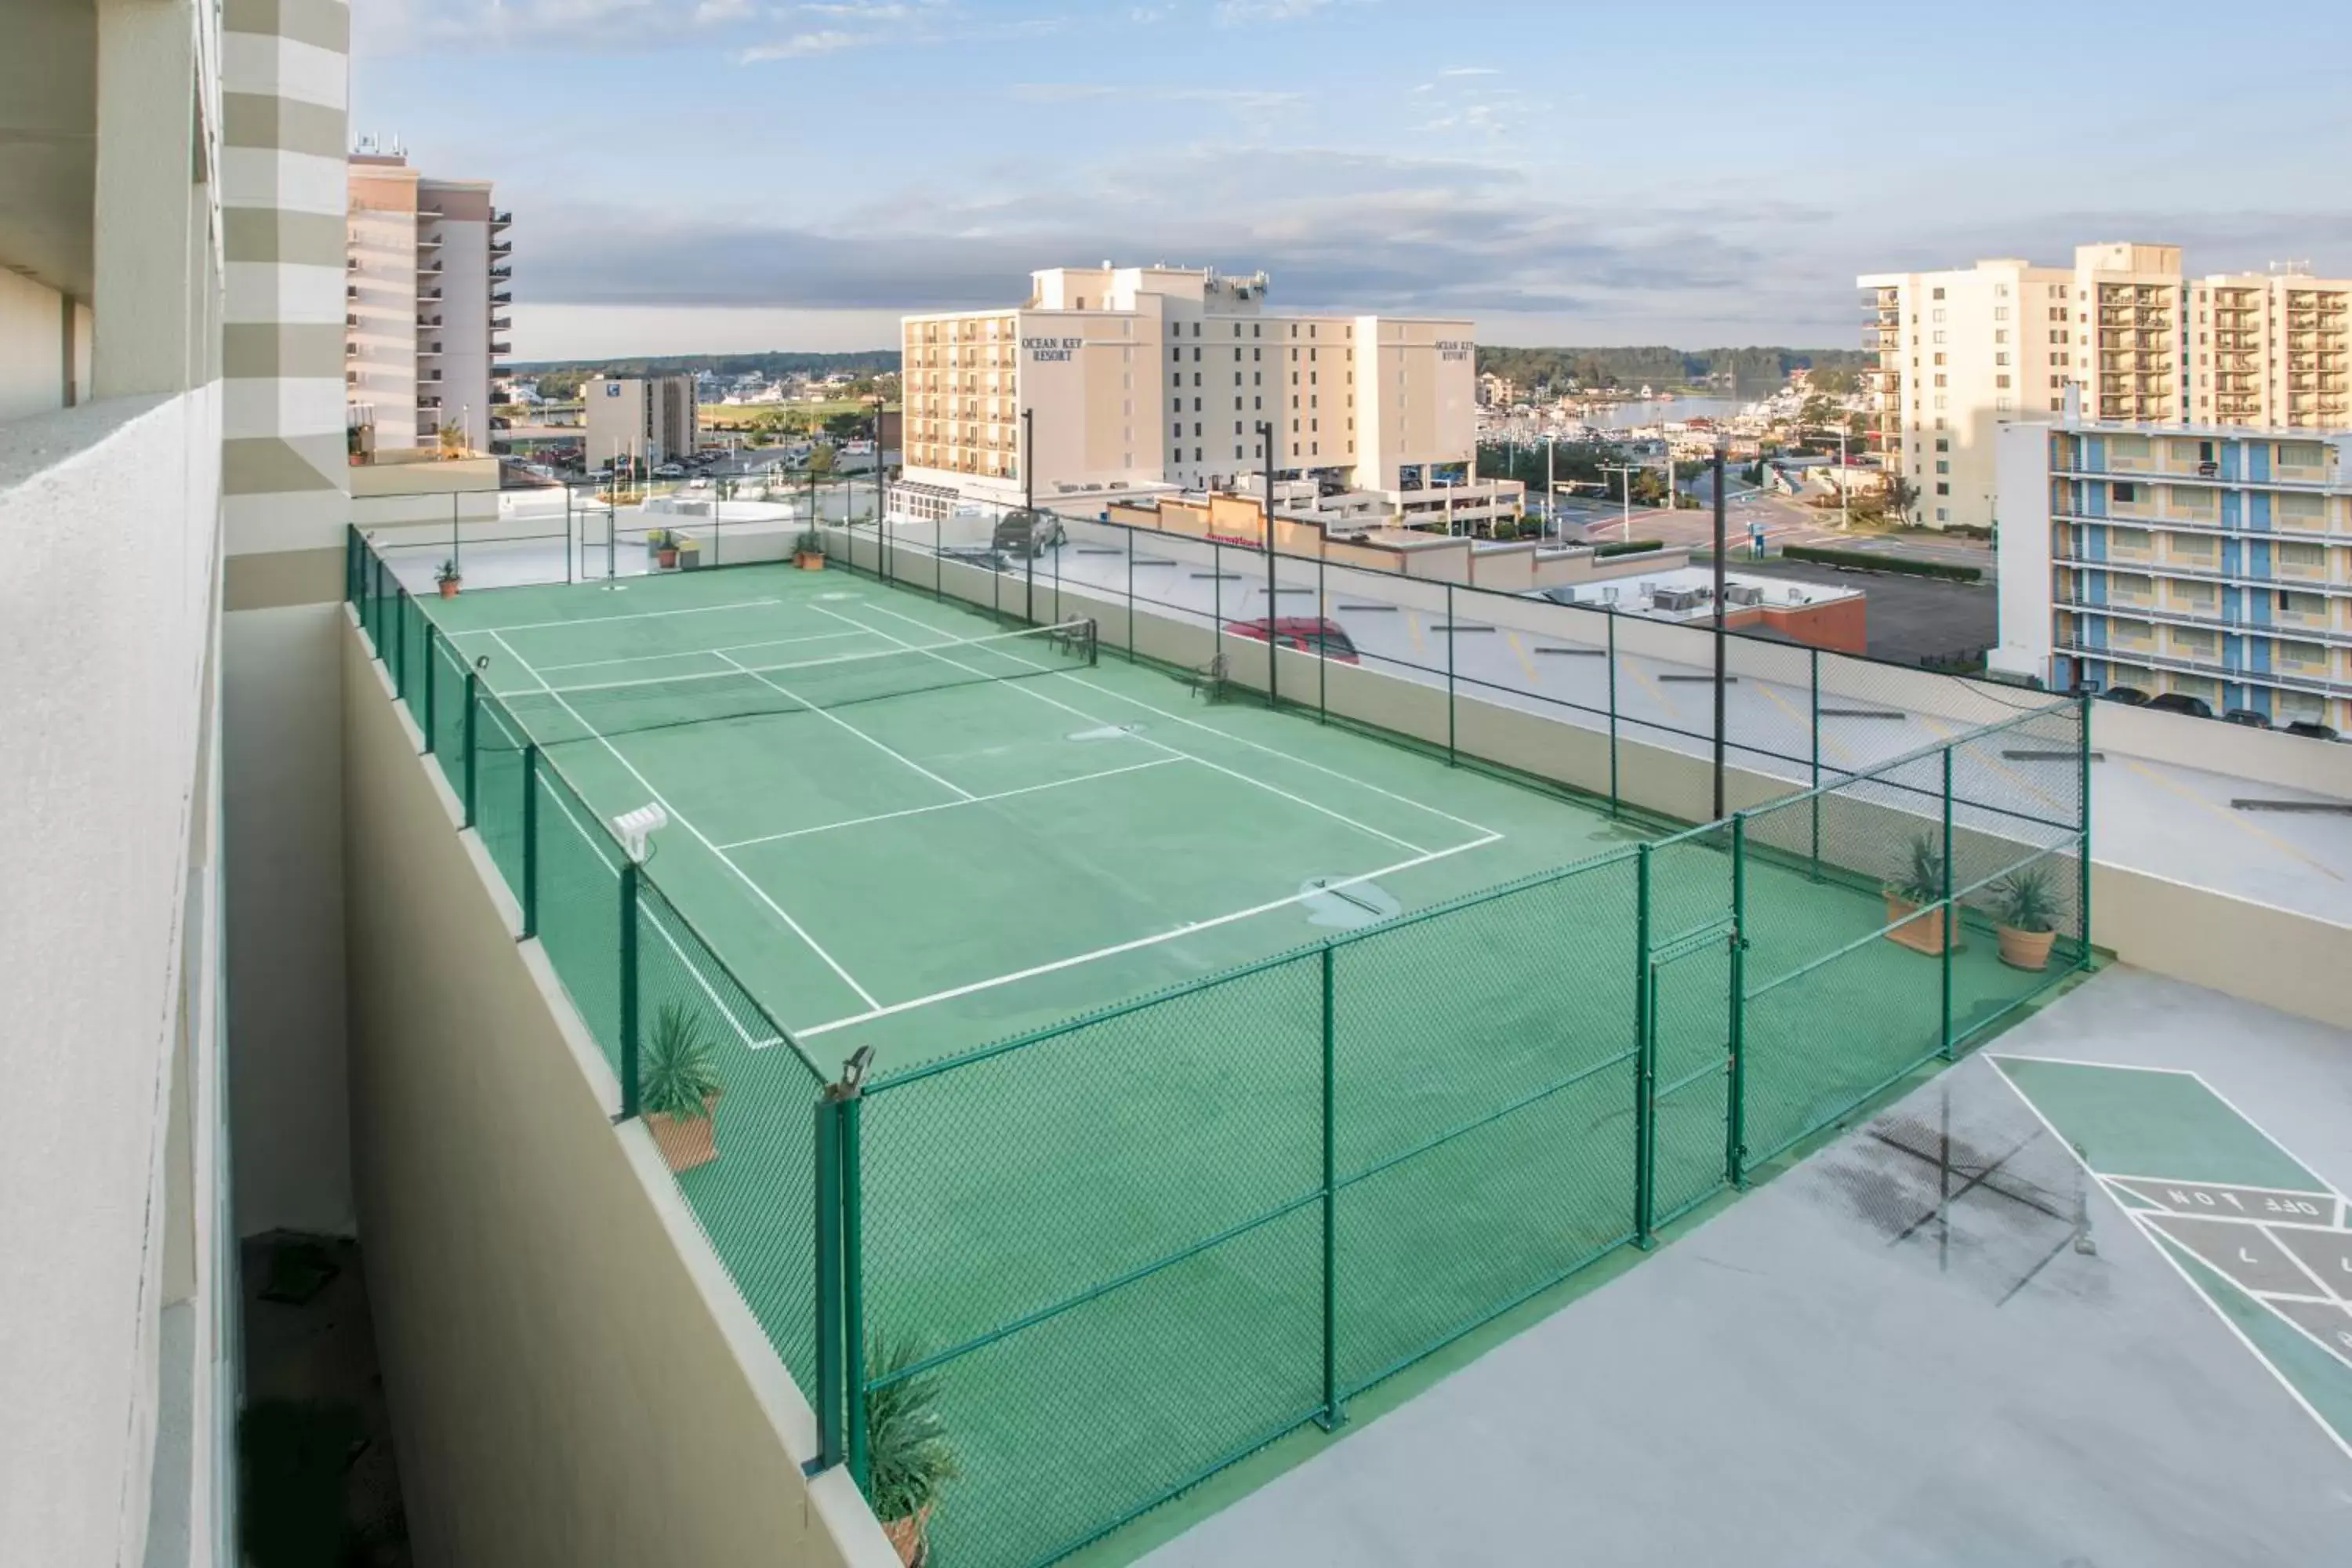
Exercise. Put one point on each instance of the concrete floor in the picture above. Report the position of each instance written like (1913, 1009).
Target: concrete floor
(1885, 1356)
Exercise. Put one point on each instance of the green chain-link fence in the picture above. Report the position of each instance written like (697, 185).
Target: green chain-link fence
(1124, 1252)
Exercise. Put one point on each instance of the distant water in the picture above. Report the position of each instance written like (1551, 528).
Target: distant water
(1625, 416)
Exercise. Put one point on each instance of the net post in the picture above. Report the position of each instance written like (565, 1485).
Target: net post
(1609, 622)
(429, 684)
(830, 1373)
(1645, 1067)
(853, 1285)
(1951, 918)
(1816, 806)
(473, 710)
(530, 839)
(628, 960)
(1333, 1415)
(1734, 1117)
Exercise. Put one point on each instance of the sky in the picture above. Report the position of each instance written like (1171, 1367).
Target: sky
(727, 175)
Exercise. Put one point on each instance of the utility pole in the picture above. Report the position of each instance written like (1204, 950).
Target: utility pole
(1721, 634)
(1625, 471)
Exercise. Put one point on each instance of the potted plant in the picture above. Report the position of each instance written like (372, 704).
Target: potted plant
(679, 1087)
(808, 551)
(665, 547)
(2025, 916)
(1921, 884)
(908, 1460)
(445, 575)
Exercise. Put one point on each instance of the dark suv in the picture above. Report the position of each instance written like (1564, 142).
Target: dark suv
(1028, 535)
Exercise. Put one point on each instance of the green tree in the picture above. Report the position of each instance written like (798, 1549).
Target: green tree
(820, 461)
(848, 425)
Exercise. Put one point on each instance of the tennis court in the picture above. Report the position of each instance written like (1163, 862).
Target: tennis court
(902, 826)
(1227, 1060)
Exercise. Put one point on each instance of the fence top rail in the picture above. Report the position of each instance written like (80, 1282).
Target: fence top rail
(1933, 748)
(1991, 690)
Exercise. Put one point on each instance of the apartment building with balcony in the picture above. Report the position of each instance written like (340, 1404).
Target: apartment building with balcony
(1962, 352)
(2200, 559)
(1151, 377)
(429, 282)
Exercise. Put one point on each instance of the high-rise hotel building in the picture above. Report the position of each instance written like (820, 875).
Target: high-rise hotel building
(1963, 351)
(425, 290)
(1154, 375)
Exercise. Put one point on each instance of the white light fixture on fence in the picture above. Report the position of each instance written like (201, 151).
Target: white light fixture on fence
(635, 830)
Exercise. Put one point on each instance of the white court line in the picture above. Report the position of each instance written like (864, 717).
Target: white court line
(2079, 1062)
(1025, 688)
(991, 984)
(695, 652)
(1212, 729)
(826, 713)
(2166, 1253)
(951, 804)
(2319, 1191)
(599, 620)
(679, 817)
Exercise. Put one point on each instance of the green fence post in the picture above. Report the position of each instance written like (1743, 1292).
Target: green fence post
(628, 959)
(1217, 603)
(400, 645)
(853, 1284)
(1332, 1414)
(830, 1371)
(473, 708)
(429, 684)
(1816, 806)
(1735, 1109)
(1951, 913)
(1131, 595)
(939, 564)
(1450, 758)
(1609, 624)
(530, 839)
(2082, 846)
(1646, 1065)
(1322, 644)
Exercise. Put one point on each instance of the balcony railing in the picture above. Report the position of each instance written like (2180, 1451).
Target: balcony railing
(2212, 669)
(2216, 619)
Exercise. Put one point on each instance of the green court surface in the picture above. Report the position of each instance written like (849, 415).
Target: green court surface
(926, 870)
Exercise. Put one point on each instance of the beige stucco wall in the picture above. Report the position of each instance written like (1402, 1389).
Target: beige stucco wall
(572, 1377)
(2257, 952)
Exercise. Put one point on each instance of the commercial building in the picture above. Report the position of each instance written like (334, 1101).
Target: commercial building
(1813, 614)
(653, 419)
(428, 282)
(1964, 351)
(2190, 558)
(1117, 378)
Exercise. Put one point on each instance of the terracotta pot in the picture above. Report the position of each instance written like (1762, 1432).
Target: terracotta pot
(907, 1535)
(448, 587)
(684, 1145)
(2025, 949)
(808, 560)
(1924, 933)
(667, 557)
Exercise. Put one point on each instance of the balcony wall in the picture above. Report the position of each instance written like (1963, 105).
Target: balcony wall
(572, 1376)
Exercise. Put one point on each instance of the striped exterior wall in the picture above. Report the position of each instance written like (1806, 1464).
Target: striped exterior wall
(285, 74)
(285, 78)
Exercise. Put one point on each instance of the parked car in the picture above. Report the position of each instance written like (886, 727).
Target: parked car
(671, 471)
(2311, 732)
(2129, 696)
(2248, 716)
(1029, 533)
(2181, 702)
(1300, 634)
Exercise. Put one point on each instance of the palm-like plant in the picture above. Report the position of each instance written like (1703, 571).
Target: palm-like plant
(680, 1071)
(2024, 900)
(907, 1454)
(1922, 882)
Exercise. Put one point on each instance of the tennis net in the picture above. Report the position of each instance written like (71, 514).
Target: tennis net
(557, 715)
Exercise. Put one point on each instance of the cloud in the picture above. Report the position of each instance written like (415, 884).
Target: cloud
(1242, 12)
(1470, 70)
(803, 44)
(1246, 100)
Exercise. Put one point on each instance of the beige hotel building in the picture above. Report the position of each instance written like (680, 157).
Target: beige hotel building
(1153, 377)
(1963, 351)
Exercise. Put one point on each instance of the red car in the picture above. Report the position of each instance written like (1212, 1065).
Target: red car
(1300, 634)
